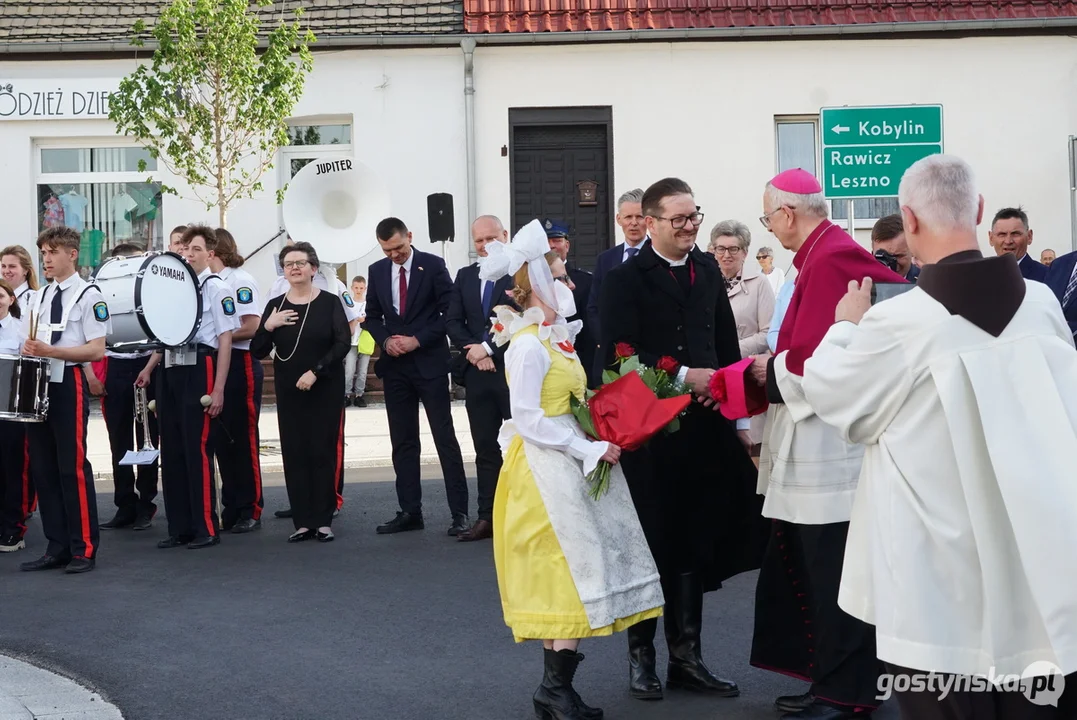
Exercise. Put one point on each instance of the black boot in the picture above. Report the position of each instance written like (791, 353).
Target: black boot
(643, 682)
(556, 699)
(683, 620)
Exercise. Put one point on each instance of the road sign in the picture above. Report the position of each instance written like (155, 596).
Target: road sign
(866, 150)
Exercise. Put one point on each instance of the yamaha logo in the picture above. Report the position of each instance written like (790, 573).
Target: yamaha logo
(153, 269)
(169, 272)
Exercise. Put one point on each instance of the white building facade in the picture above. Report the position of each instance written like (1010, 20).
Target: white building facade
(560, 130)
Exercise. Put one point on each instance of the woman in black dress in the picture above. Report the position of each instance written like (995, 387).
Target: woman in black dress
(309, 331)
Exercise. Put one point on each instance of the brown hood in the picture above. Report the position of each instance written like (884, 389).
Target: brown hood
(985, 291)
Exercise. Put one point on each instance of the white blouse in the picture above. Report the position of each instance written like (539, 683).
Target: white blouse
(9, 335)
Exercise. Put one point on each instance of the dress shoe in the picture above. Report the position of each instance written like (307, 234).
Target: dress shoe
(301, 535)
(144, 519)
(174, 541)
(481, 530)
(643, 682)
(45, 562)
(80, 564)
(793, 703)
(459, 525)
(11, 543)
(204, 542)
(326, 536)
(818, 710)
(246, 525)
(285, 513)
(403, 522)
(124, 517)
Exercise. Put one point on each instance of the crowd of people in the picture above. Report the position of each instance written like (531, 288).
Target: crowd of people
(896, 525)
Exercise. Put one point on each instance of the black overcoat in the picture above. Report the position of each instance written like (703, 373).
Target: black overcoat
(695, 489)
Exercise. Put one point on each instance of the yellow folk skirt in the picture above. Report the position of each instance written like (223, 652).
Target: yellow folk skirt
(538, 596)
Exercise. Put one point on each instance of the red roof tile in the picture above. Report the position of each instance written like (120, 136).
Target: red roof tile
(538, 16)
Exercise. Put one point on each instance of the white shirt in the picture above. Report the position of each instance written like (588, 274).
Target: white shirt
(10, 335)
(351, 311)
(776, 278)
(960, 547)
(219, 313)
(394, 279)
(360, 308)
(248, 299)
(87, 316)
(25, 295)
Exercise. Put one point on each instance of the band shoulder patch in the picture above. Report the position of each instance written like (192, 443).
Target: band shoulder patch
(229, 306)
(348, 298)
(244, 296)
(100, 311)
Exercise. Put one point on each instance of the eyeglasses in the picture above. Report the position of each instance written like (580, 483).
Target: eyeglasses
(719, 250)
(679, 221)
(762, 257)
(300, 264)
(765, 219)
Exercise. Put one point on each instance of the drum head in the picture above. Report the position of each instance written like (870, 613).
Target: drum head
(168, 295)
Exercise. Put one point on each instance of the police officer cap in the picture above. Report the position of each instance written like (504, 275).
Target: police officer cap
(555, 229)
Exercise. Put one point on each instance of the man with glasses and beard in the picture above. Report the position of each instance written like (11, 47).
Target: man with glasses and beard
(693, 489)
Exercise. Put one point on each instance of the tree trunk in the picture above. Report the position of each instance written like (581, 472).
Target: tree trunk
(223, 212)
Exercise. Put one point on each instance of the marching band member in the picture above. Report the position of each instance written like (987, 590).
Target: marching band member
(310, 334)
(189, 374)
(354, 313)
(78, 322)
(116, 388)
(175, 239)
(15, 485)
(237, 459)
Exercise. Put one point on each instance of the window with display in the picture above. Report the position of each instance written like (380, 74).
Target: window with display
(100, 192)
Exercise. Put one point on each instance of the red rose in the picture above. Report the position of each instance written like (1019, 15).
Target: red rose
(624, 350)
(667, 365)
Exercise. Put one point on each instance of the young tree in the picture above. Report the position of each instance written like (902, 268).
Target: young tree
(213, 104)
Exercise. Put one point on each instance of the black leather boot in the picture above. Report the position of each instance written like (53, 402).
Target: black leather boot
(556, 699)
(643, 682)
(683, 621)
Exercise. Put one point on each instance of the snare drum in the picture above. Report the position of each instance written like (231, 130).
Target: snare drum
(24, 388)
(153, 299)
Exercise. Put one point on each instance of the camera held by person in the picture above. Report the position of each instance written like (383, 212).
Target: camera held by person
(887, 259)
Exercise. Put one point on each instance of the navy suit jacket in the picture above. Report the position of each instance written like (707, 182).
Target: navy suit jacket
(429, 292)
(605, 262)
(1032, 270)
(1058, 277)
(466, 323)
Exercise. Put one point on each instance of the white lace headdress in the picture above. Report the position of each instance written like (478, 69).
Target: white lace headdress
(530, 246)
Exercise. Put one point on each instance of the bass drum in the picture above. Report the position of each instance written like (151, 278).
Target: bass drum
(153, 299)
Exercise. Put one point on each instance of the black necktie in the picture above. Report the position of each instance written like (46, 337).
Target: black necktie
(57, 314)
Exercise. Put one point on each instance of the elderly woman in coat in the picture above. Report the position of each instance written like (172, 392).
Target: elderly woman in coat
(750, 295)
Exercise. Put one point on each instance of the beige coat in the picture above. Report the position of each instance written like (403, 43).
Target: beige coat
(753, 305)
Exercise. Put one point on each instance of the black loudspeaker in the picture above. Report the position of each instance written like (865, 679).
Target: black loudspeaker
(440, 216)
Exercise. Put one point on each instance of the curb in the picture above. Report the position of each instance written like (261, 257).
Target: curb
(28, 691)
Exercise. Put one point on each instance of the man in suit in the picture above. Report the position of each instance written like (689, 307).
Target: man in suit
(480, 367)
(1062, 279)
(557, 234)
(890, 248)
(1010, 233)
(694, 490)
(407, 300)
(630, 219)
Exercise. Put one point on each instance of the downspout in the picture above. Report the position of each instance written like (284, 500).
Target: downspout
(468, 46)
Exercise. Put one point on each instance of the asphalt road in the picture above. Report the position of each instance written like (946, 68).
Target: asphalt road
(407, 627)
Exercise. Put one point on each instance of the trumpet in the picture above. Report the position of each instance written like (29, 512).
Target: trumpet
(142, 411)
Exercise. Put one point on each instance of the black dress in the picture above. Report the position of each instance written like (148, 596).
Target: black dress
(310, 421)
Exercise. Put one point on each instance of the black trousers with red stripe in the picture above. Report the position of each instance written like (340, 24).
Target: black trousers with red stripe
(61, 471)
(16, 487)
(340, 463)
(187, 478)
(236, 440)
(118, 407)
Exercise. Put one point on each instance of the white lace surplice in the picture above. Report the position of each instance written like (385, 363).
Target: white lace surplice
(602, 541)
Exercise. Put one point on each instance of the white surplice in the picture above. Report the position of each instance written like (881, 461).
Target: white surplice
(961, 547)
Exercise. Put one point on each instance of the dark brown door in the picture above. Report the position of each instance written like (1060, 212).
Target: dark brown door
(549, 163)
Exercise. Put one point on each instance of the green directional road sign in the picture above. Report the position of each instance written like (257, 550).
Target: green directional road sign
(866, 150)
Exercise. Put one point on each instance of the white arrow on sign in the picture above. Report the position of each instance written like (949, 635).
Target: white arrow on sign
(839, 129)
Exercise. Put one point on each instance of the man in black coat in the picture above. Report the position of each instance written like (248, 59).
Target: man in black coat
(557, 234)
(480, 367)
(407, 300)
(694, 489)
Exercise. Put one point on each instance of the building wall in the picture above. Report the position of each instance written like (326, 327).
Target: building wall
(706, 112)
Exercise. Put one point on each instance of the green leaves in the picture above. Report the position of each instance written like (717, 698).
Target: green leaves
(632, 364)
(211, 103)
(583, 416)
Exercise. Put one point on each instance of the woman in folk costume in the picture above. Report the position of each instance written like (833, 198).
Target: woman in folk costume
(568, 566)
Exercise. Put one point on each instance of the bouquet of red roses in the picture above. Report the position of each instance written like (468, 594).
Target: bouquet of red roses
(634, 404)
